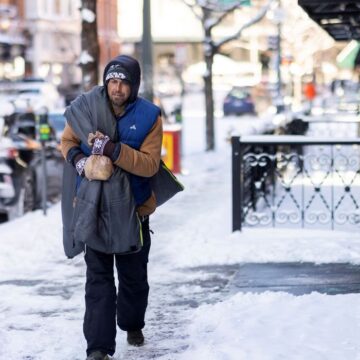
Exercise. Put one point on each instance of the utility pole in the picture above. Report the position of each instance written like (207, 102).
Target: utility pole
(279, 19)
(147, 55)
(208, 83)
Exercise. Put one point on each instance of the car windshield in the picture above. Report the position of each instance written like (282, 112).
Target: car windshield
(239, 93)
(29, 91)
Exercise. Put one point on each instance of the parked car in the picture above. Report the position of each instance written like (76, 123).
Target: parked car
(31, 92)
(7, 188)
(21, 172)
(238, 101)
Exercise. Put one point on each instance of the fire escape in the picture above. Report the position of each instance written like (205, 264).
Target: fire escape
(339, 18)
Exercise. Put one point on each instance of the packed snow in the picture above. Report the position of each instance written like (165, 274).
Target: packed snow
(276, 326)
(42, 301)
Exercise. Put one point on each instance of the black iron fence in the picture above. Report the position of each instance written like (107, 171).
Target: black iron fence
(295, 181)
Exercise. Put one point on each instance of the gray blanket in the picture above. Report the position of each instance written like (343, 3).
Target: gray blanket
(99, 214)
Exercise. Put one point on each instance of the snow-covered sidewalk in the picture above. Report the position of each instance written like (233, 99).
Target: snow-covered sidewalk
(191, 314)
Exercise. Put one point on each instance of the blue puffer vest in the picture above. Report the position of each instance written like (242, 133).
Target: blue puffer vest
(133, 127)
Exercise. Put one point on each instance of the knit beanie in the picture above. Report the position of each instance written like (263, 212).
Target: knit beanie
(116, 71)
(126, 68)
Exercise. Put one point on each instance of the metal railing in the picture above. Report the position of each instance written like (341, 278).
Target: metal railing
(295, 181)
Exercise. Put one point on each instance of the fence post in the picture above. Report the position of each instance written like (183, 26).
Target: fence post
(236, 183)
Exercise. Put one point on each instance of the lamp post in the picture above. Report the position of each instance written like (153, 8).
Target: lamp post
(147, 61)
(278, 20)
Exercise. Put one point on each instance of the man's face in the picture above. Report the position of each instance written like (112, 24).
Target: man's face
(119, 92)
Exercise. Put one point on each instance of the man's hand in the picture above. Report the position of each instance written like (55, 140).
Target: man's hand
(99, 145)
(102, 145)
(80, 162)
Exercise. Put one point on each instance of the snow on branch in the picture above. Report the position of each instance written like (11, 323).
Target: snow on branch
(259, 16)
(85, 58)
(88, 15)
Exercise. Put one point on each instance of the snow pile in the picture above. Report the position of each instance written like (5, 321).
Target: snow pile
(276, 326)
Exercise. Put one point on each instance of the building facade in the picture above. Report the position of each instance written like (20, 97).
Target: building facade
(53, 32)
(107, 23)
(12, 39)
(42, 39)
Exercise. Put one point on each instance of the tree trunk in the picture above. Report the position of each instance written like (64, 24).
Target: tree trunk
(90, 50)
(209, 98)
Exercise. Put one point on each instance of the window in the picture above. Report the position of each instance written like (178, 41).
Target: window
(58, 8)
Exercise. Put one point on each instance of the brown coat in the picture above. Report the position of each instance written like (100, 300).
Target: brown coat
(143, 162)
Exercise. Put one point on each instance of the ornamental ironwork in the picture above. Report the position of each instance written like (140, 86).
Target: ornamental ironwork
(296, 181)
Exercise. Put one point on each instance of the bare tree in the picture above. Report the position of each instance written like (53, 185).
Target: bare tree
(90, 50)
(210, 13)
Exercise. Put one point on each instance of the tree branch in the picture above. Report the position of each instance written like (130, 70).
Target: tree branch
(259, 16)
(223, 15)
(193, 9)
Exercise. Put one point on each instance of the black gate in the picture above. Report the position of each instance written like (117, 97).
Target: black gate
(295, 181)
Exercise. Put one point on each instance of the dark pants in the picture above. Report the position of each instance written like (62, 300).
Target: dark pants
(103, 306)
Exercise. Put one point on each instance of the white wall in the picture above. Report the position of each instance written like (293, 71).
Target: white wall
(171, 20)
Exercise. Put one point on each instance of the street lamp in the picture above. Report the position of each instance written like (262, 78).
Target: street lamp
(147, 61)
(277, 16)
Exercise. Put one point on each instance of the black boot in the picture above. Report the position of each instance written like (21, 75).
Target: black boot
(97, 355)
(135, 338)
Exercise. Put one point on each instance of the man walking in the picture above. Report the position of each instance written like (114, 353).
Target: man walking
(109, 219)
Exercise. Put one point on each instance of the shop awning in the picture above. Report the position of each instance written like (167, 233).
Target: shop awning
(348, 58)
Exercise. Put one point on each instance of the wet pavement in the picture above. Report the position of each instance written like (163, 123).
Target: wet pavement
(297, 278)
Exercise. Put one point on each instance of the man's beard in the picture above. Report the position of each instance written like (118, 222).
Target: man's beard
(118, 101)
